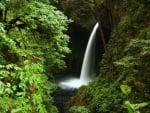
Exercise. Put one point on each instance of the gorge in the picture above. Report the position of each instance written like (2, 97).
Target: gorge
(42, 45)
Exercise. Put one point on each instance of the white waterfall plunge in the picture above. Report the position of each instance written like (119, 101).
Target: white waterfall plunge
(87, 70)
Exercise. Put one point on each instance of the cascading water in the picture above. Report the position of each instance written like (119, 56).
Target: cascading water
(87, 69)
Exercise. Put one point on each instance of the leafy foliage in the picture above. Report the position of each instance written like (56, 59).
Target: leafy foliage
(125, 89)
(32, 44)
(25, 86)
(131, 108)
(80, 109)
(134, 108)
(102, 97)
(80, 11)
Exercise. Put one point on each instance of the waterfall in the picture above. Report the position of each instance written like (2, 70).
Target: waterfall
(87, 69)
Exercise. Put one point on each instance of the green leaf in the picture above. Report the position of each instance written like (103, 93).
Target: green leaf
(128, 106)
(134, 108)
(140, 105)
(125, 89)
(8, 91)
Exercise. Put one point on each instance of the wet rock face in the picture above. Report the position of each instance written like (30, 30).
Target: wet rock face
(79, 37)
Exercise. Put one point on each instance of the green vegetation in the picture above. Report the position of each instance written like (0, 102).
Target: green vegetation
(80, 11)
(80, 109)
(131, 108)
(123, 83)
(33, 45)
(126, 90)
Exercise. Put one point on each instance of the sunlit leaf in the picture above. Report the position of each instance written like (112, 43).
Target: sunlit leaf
(125, 89)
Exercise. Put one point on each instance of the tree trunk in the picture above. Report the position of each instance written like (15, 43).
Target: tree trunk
(108, 56)
(1, 15)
